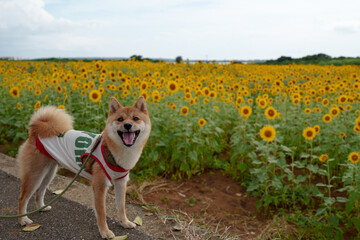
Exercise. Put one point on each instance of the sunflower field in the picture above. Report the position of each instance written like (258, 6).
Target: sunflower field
(289, 134)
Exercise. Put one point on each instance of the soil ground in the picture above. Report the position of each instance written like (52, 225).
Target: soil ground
(212, 199)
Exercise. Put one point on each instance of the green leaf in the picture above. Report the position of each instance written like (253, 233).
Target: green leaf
(31, 227)
(329, 201)
(193, 155)
(334, 221)
(219, 130)
(252, 186)
(320, 211)
(242, 166)
(138, 220)
(299, 164)
(276, 182)
(313, 168)
(286, 149)
(356, 222)
(58, 192)
(342, 199)
(184, 166)
(252, 155)
(272, 159)
(300, 179)
(118, 238)
(304, 155)
(321, 185)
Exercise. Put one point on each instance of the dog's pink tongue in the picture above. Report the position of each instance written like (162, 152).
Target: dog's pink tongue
(129, 137)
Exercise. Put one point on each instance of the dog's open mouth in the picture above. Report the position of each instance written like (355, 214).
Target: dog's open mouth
(129, 138)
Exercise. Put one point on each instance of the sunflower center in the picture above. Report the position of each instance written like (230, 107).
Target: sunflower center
(309, 133)
(172, 87)
(268, 133)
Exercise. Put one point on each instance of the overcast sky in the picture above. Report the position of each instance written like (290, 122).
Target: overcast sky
(193, 29)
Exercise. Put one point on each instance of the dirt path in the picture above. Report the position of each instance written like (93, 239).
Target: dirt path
(173, 210)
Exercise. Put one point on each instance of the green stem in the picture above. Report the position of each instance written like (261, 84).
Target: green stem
(329, 182)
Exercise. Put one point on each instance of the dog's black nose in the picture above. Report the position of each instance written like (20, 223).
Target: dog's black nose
(127, 126)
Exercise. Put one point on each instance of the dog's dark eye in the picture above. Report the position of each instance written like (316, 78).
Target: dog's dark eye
(120, 119)
(135, 119)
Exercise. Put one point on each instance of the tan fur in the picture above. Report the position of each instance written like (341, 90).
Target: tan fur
(39, 122)
(37, 170)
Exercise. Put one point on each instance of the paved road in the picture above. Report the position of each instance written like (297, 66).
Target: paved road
(66, 220)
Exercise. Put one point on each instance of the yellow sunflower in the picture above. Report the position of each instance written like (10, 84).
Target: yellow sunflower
(202, 122)
(143, 86)
(334, 111)
(262, 103)
(317, 129)
(296, 101)
(270, 113)
(172, 86)
(184, 110)
(37, 105)
(246, 111)
(95, 95)
(356, 129)
(343, 99)
(15, 92)
(37, 92)
(268, 133)
(323, 157)
(342, 134)
(354, 157)
(357, 122)
(327, 118)
(205, 91)
(325, 102)
(307, 111)
(309, 133)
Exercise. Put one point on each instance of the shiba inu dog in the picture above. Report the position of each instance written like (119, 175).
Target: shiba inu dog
(52, 142)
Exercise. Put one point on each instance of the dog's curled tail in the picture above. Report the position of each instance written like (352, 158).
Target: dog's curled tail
(49, 121)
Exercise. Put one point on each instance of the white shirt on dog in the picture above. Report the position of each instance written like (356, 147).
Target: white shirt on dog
(71, 149)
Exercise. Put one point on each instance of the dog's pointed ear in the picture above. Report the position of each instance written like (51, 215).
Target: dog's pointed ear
(141, 105)
(114, 105)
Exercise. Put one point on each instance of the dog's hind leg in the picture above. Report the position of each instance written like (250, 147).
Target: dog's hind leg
(40, 192)
(34, 168)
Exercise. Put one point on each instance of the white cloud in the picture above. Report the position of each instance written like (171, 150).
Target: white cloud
(216, 29)
(347, 27)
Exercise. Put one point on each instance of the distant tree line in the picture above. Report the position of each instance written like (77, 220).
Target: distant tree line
(318, 59)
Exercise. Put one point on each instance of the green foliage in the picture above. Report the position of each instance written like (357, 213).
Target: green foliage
(319, 59)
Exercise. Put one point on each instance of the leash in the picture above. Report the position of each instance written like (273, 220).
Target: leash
(97, 141)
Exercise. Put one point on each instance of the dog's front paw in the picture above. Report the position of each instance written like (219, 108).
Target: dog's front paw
(107, 234)
(128, 224)
(25, 221)
(48, 208)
